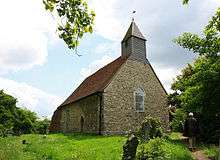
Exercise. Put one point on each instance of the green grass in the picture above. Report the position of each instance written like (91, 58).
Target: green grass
(85, 147)
(177, 149)
(62, 147)
(211, 151)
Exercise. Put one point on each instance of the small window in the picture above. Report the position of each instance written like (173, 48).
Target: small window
(139, 100)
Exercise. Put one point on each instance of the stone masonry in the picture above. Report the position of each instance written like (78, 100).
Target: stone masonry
(105, 101)
(88, 109)
(119, 107)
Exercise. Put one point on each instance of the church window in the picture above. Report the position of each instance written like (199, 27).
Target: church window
(139, 100)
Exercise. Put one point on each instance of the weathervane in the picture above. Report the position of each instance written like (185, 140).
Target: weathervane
(133, 15)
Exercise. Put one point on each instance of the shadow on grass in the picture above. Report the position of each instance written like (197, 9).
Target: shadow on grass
(83, 136)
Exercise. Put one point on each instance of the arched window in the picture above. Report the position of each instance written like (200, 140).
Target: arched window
(139, 100)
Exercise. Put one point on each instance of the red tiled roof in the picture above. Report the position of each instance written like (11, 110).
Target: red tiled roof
(96, 82)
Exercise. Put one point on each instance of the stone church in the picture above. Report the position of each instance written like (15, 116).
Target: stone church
(117, 97)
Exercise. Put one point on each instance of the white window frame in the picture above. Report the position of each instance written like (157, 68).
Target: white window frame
(142, 93)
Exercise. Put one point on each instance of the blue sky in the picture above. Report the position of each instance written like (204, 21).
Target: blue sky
(38, 69)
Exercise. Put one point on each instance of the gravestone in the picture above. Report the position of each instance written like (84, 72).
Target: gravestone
(130, 148)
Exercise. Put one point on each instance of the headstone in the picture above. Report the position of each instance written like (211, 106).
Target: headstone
(24, 141)
(130, 148)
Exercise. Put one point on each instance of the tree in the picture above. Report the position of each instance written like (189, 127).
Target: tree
(14, 120)
(197, 89)
(208, 44)
(185, 1)
(74, 19)
(7, 108)
(24, 121)
(42, 126)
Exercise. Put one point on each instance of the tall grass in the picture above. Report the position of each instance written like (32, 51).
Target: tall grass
(61, 147)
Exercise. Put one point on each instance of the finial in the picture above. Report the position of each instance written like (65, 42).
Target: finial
(133, 15)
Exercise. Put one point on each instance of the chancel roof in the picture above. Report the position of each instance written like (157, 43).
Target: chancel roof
(96, 82)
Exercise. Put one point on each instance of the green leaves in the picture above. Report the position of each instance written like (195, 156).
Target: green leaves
(197, 89)
(14, 120)
(185, 1)
(200, 90)
(208, 44)
(74, 19)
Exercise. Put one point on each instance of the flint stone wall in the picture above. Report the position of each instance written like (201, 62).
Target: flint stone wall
(88, 108)
(119, 111)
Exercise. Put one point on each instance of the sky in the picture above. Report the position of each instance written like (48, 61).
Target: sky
(39, 70)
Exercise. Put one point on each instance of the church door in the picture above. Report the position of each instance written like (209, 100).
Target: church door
(81, 123)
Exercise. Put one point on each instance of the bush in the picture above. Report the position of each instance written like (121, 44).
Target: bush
(163, 149)
(16, 121)
(24, 121)
(152, 150)
(209, 129)
(179, 117)
(150, 128)
(42, 126)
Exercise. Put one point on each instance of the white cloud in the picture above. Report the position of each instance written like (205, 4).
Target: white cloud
(166, 75)
(94, 66)
(25, 31)
(106, 22)
(160, 21)
(112, 18)
(44, 104)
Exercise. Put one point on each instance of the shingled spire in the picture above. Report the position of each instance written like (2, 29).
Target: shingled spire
(133, 44)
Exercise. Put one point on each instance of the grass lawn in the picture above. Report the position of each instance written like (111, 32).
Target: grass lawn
(176, 148)
(62, 147)
(211, 151)
(84, 147)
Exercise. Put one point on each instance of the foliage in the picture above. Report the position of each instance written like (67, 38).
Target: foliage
(62, 147)
(197, 89)
(174, 100)
(75, 19)
(164, 149)
(185, 1)
(41, 126)
(16, 121)
(24, 121)
(179, 117)
(7, 109)
(199, 92)
(211, 151)
(150, 128)
(208, 44)
(176, 148)
(152, 150)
